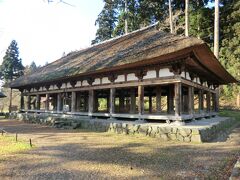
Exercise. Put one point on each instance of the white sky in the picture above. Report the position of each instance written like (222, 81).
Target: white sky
(44, 31)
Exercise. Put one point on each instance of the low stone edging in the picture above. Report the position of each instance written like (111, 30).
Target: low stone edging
(165, 132)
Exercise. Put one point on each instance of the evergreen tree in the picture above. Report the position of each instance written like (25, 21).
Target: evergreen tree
(230, 44)
(11, 67)
(106, 21)
(30, 68)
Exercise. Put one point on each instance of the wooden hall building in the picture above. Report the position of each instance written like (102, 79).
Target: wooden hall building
(146, 74)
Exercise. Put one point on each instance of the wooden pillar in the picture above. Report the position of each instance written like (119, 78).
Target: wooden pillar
(170, 99)
(217, 99)
(212, 101)
(121, 101)
(22, 101)
(178, 98)
(108, 101)
(10, 101)
(38, 102)
(133, 101)
(140, 101)
(112, 101)
(85, 103)
(90, 102)
(158, 99)
(191, 100)
(185, 101)
(47, 102)
(150, 104)
(208, 102)
(59, 102)
(200, 100)
(29, 103)
(73, 102)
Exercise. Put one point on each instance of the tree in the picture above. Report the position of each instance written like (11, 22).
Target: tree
(31, 68)
(11, 67)
(229, 46)
(170, 15)
(186, 17)
(216, 29)
(106, 22)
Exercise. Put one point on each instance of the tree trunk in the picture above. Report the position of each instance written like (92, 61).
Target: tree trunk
(126, 13)
(170, 16)
(238, 100)
(216, 29)
(186, 18)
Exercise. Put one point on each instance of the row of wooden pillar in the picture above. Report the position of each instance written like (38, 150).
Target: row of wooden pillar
(174, 97)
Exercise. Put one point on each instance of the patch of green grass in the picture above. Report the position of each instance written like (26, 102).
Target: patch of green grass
(229, 113)
(8, 145)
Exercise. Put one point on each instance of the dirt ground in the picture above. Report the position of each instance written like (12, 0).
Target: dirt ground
(79, 154)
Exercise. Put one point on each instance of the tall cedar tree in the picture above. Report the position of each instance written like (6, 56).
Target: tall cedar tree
(106, 22)
(230, 43)
(11, 67)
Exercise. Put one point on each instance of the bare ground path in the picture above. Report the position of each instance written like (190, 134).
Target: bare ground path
(78, 154)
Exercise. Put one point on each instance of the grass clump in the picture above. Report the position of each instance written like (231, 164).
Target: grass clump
(8, 145)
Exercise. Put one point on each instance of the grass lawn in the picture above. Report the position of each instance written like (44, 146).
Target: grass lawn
(8, 145)
(230, 113)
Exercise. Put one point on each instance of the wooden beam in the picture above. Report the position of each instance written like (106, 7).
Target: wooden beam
(156, 81)
(140, 101)
(158, 99)
(195, 85)
(178, 99)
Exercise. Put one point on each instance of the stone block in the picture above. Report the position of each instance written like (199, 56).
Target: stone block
(164, 137)
(196, 138)
(164, 130)
(187, 139)
(174, 130)
(172, 136)
(149, 130)
(180, 137)
(184, 132)
(143, 129)
(195, 131)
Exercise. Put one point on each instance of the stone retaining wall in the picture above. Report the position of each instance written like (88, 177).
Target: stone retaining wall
(165, 132)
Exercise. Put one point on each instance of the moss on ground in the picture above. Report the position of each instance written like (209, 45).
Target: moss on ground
(8, 145)
(230, 113)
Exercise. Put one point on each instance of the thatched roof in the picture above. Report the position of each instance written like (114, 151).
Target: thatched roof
(138, 46)
(2, 95)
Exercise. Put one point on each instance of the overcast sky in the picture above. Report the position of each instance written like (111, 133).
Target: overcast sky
(45, 31)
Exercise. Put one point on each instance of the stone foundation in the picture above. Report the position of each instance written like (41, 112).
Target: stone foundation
(197, 131)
